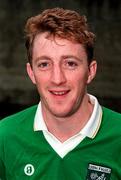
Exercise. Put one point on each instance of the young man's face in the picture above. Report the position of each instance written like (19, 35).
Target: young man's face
(61, 73)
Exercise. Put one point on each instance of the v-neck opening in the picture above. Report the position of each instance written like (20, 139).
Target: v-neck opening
(67, 154)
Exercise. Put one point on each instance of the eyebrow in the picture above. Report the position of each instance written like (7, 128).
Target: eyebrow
(42, 58)
(71, 56)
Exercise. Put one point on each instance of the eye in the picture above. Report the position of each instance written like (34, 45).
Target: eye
(45, 65)
(70, 64)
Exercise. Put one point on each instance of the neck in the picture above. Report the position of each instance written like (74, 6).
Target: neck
(65, 127)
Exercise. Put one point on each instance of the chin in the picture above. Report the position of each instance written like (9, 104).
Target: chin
(62, 114)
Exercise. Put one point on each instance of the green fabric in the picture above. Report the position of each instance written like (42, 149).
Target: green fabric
(21, 146)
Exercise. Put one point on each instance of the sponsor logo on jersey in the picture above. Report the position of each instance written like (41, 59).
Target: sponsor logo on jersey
(96, 172)
(29, 169)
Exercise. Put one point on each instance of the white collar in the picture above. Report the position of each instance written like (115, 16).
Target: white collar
(89, 130)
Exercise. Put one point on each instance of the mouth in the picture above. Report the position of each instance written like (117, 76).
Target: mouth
(59, 93)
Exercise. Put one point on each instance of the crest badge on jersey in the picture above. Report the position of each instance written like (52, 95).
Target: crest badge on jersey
(29, 169)
(96, 172)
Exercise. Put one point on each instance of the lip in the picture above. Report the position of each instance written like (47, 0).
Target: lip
(59, 93)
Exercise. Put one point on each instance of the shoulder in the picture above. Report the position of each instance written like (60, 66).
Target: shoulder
(113, 115)
(111, 120)
(13, 121)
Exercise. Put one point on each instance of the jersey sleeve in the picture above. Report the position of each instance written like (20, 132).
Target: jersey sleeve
(2, 167)
(2, 171)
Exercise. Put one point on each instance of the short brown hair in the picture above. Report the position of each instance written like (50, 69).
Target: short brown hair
(62, 23)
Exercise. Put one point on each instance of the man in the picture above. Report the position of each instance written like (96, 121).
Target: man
(68, 135)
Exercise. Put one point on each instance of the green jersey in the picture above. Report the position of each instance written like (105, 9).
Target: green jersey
(25, 154)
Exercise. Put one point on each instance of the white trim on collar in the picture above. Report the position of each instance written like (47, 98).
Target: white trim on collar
(92, 126)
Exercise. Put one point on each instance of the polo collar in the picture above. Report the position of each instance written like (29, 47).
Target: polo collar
(90, 129)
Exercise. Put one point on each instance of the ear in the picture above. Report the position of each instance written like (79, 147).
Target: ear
(92, 71)
(30, 73)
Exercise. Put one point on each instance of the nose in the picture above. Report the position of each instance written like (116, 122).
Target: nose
(58, 75)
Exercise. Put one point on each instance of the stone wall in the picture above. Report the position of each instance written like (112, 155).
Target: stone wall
(16, 90)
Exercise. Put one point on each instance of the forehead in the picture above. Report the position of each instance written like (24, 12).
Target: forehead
(50, 45)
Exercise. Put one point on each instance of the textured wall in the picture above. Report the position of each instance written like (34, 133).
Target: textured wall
(16, 90)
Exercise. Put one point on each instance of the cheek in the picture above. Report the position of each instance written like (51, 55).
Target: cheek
(42, 80)
(40, 77)
(80, 84)
(78, 78)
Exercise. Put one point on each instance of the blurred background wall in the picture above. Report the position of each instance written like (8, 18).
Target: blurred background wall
(16, 90)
